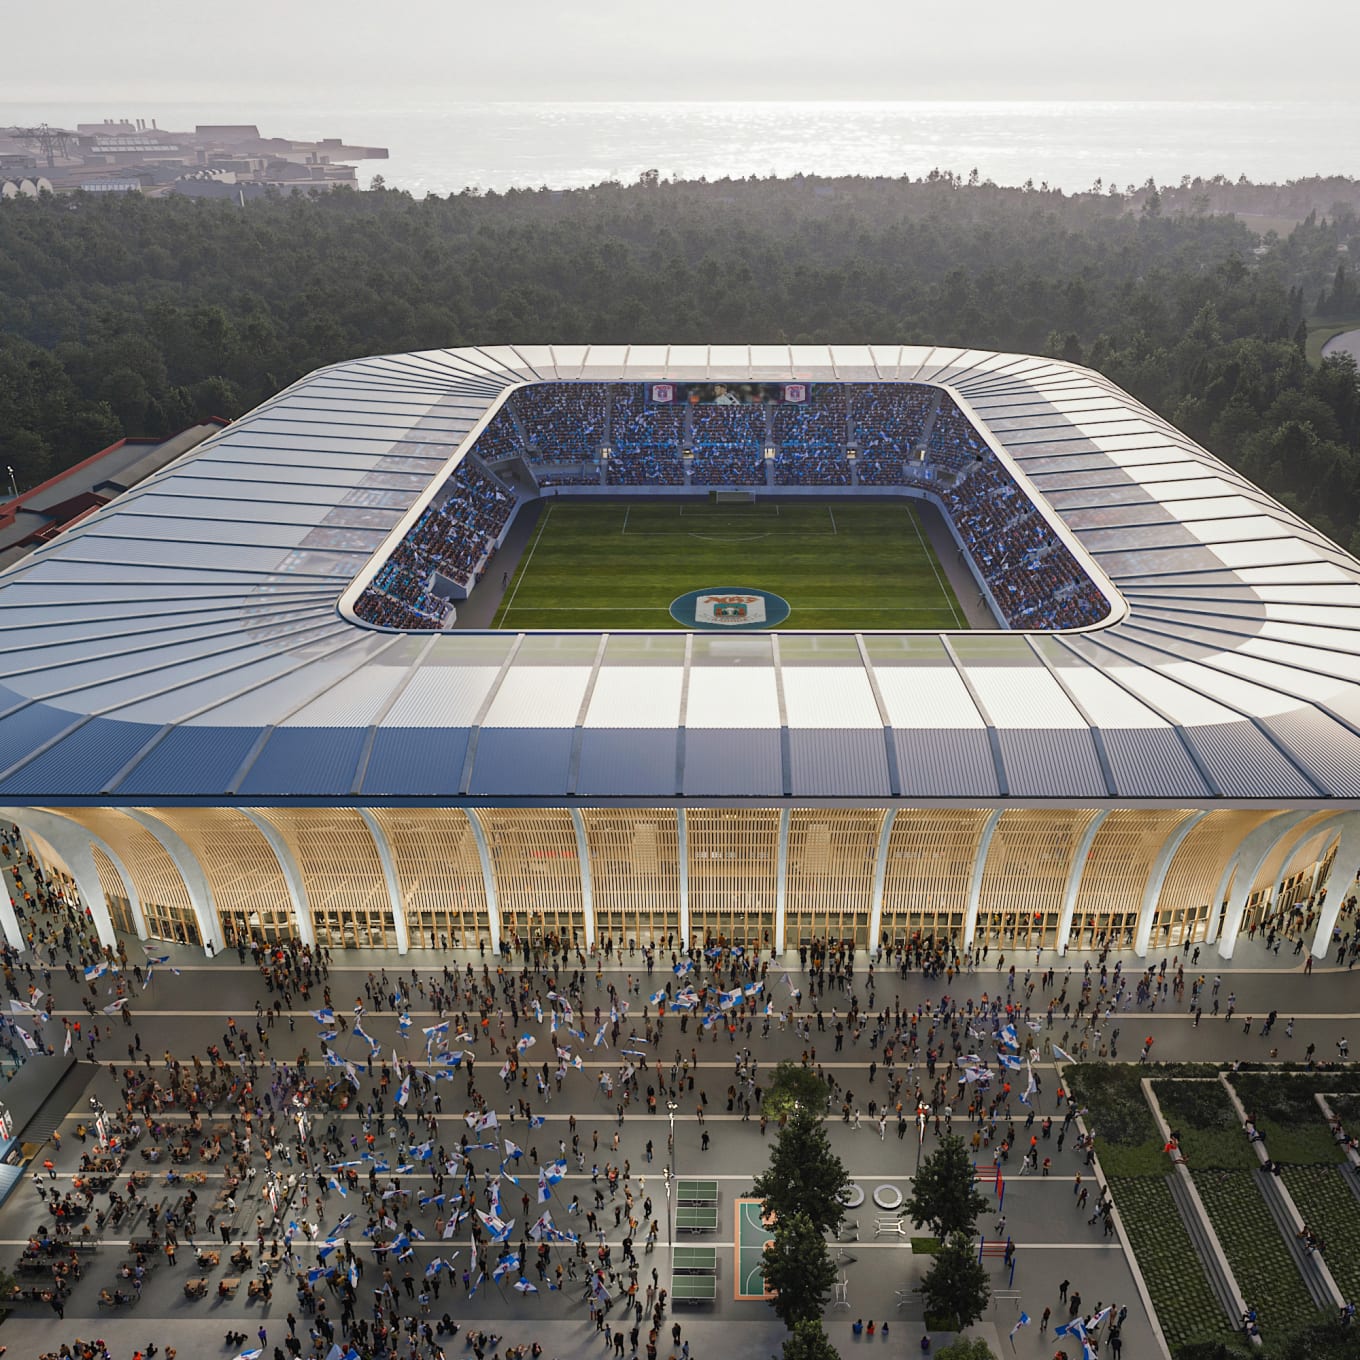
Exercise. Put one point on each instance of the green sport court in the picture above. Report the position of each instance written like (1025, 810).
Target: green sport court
(752, 1233)
(841, 565)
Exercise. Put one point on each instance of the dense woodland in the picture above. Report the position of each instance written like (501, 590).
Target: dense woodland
(126, 315)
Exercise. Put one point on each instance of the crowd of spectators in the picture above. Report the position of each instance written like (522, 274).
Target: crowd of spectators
(727, 429)
(1031, 574)
(954, 443)
(889, 418)
(814, 426)
(639, 428)
(563, 422)
(717, 468)
(814, 467)
(500, 439)
(646, 468)
(453, 537)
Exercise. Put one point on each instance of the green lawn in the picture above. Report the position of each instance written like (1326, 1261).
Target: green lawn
(1266, 1272)
(1186, 1306)
(842, 565)
(1327, 1205)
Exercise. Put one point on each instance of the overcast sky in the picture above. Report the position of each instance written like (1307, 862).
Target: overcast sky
(153, 50)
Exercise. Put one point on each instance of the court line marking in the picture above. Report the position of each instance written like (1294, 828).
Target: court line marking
(524, 566)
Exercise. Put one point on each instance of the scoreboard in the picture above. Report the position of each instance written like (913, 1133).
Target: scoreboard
(726, 394)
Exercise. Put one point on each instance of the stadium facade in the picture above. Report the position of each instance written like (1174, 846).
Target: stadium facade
(200, 728)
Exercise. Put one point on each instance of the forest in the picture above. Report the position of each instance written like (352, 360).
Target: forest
(121, 314)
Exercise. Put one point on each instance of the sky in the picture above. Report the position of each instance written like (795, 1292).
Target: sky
(157, 50)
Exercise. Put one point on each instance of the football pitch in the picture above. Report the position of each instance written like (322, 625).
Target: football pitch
(843, 565)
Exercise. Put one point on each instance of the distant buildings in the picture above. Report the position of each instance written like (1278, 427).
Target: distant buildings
(212, 161)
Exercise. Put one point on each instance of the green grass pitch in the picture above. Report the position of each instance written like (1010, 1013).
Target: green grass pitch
(842, 565)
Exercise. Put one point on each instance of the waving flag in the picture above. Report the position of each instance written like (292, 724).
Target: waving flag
(404, 1094)
(1010, 1037)
(96, 970)
(657, 998)
(323, 1017)
(504, 1267)
(1061, 1055)
(544, 1194)
(525, 1287)
(1009, 1060)
(1021, 1321)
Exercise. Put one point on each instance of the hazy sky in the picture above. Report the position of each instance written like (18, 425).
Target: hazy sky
(687, 49)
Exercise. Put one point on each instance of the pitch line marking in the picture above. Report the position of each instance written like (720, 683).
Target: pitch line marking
(627, 510)
(832, 515)
(916, 524)
(524, 566)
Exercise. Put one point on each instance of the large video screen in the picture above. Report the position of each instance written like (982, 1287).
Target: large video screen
(726, 393)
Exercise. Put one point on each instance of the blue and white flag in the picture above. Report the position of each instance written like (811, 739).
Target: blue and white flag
(1010, 1037)
(97, 971)
(1022, 1322)
(404, 1094)
(323, 1017)
(504, 1267)
(1010, 1061)
(525, 1287)
(1062, 1055)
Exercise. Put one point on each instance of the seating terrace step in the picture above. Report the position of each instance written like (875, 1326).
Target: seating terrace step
(1305, 1260)
(1200, 1240)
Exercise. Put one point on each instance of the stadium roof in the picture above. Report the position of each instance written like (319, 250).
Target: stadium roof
(185, 644)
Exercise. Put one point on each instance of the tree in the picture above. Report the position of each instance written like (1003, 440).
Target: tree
(944, 1195)
(793, 1086)
(799, 1270)
(955, 1289)
(966, 1348)
(807, 1341)
(804, 1176)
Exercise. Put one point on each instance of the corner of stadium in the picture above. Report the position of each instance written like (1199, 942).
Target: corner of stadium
(751, 645)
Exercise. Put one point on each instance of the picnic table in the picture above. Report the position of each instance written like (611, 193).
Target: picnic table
(696, 1192)
(195, 1288)
(696, 1218)
(695, 1261)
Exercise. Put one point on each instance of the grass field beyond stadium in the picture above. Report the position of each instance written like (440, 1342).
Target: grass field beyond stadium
(842, 565)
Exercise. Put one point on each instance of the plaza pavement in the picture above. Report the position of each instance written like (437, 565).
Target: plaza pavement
(187, 1012)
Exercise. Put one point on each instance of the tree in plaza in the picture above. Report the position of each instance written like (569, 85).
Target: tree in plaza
(804, 1176)
(807, 1341)
(793, 1086)
(944, 1194)
(966, 1348)
(799, 1270)
(955, 1289)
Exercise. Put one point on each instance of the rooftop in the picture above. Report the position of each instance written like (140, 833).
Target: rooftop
(185, 644)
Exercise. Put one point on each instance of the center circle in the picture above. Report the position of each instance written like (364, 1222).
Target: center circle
(729, 609)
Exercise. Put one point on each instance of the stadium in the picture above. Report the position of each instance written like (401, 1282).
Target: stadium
(747, 644)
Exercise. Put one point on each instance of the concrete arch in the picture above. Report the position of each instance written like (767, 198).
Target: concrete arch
(781, 881)
(1074, 873)
(191, 871)
(292, 876)
(587, 883)
(1250, 857)
(682, 866)
(970, 914)
(1340, 882)
(389, 869)
(129, 887)
(73, 843)
(493, 911)
(880, 879)
(1152, 891)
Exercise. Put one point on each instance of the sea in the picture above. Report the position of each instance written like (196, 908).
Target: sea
(447, 147)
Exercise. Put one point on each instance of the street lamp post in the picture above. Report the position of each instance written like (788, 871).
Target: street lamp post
(13, 485)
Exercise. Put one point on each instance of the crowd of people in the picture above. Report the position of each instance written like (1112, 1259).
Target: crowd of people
(564, 421)
(1032, 575)
(455, 537)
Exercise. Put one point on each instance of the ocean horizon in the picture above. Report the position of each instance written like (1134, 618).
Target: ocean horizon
(446, 147)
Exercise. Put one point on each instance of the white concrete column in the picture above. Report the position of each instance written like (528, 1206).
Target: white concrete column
(1152, 890)
(72, 842)
(970, 914)
(587, 886)
(493, 912)
(880, 879)
(1074, 873)
(191, 871)
(682, 850)
(389, 868)
(292, 875)
(1251, 855)
(781, 882)
(1340, 882)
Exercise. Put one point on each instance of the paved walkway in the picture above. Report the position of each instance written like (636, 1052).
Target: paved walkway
(187, 1012)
